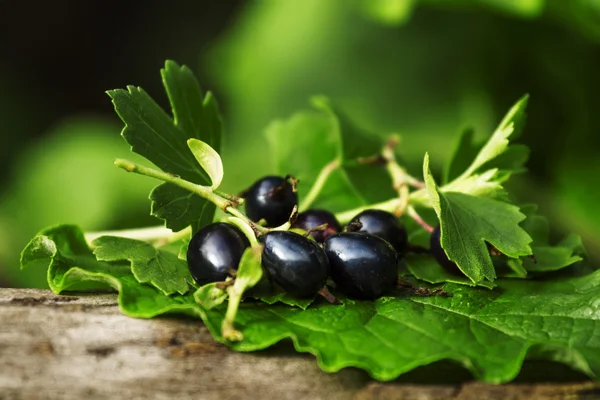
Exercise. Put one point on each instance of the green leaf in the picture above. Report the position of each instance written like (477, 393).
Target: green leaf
(511, 125)
(548, 257)
(489, 332)
(303, 145)
(518, 270)
(160, 268)
(468, 222)
(250, 270)
(308, 141)
(72, 265)
(209, 160)
(163, 141)
(493, 163)
(356, 143)
(209, 296)
(285, 298)
(179, 206)
(425, 268)
(58, 249)
(481, 185)
(464, 153)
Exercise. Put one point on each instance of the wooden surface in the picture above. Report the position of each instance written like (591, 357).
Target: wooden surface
(67, 347)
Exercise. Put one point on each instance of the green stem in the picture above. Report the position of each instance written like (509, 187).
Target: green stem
(235, 199)
(235, 297)
(243, 281)
(238, 214)
(418, 219)
(319, 183)
(203, 191)
(245, 228)
(152, 234)
(399, 175)
(388, 205)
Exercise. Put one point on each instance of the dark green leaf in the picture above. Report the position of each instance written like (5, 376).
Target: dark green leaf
(160, 268)
(425, 268)
(548, 257)
(468, 222)
(163, 141)
(282, 297)
(179, 206)
(489, 332)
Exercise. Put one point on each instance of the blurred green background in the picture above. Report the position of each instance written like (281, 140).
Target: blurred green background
(423, 68)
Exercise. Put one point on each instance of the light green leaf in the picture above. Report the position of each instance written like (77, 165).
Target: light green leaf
(468, 222)
(59, 249)
(160, 268)
(250, 270)
(498, 143)
(209, 160)
(518, 270)
(303, 145)
(209, 296)
(463, 154)
(482, 185)
(308, 141)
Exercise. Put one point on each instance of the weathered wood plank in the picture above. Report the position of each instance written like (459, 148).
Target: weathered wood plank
(67, 347)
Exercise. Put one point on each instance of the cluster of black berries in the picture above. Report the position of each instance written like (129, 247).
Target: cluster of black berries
(362, 260)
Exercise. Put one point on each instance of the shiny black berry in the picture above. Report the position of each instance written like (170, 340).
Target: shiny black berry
(363, 266)
(271, 198)
(382, 224)
(214, 251)
(297, 264)
(435, 247)
(310, 219)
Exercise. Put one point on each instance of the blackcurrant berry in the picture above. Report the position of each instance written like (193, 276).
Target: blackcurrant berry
(271, 198)
(295, 263)
(214, 251)
(382, 224)
(435, 247)
(310, 219)
(363, 266)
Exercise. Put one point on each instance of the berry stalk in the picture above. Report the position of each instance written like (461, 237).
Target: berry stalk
(319, 184)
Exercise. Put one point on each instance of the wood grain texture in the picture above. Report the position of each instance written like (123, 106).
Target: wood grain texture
(74, 347)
